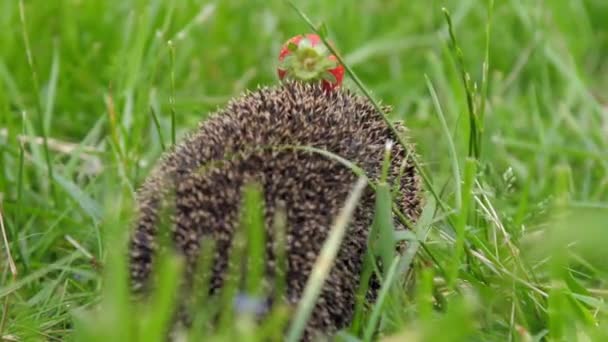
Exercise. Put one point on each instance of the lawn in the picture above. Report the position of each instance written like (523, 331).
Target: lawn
(506, 103)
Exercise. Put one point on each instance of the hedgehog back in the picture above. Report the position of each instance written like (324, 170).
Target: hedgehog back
(259, 137)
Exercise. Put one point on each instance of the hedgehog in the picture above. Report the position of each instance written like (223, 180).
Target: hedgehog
(246, 142)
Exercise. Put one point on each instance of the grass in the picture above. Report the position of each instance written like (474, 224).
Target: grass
(509, 117)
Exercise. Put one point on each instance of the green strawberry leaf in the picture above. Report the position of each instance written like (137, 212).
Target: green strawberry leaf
(288, 59)
(321, 49)
(306, 75)
(305, 43)
(327, 64)
(329, 77)
(291, 46)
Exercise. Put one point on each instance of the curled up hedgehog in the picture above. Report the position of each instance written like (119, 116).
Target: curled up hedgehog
(244, 143)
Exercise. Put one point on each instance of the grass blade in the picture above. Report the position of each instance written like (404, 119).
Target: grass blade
(383, 227)
(450, 139)
(172, 96)
(474, 143)
(253, 221)
(463, 218)
(30, 61)
(156, 322)
(157, 126)
(389, 279)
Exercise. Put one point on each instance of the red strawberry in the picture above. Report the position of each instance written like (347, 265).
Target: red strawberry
(306, 58)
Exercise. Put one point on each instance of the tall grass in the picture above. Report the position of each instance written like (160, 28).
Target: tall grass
(503, 99)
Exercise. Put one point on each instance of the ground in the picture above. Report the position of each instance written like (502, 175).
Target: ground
(515, 249)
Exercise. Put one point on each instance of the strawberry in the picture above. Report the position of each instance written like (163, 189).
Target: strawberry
(306, 58)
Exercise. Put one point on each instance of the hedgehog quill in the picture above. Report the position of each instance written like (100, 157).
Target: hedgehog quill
(244, 143)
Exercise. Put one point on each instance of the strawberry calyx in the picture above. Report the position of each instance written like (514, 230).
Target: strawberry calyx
(307, 60)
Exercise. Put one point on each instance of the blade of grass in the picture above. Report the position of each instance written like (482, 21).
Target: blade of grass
(463, 218)
(157, 126)
(157, 320)
(387, 284)
(30, 61)
(172, 95)
(424, 295)
(253, 220)
(280, 251)
(200, 290)
(423, 226)
(468, 87)
(360, 297)
(271, 329)
(384, 244)
(451, 147)
(486, 67)
(114, 129)
(13, 269)
(232, 280)
(21, 170)
(51, 92)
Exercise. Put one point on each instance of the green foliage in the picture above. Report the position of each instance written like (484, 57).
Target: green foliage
(510, 245)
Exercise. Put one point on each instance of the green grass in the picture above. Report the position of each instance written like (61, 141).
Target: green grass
(510, 120)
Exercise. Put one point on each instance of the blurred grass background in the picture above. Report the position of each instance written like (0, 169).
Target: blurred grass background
(100, 69)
